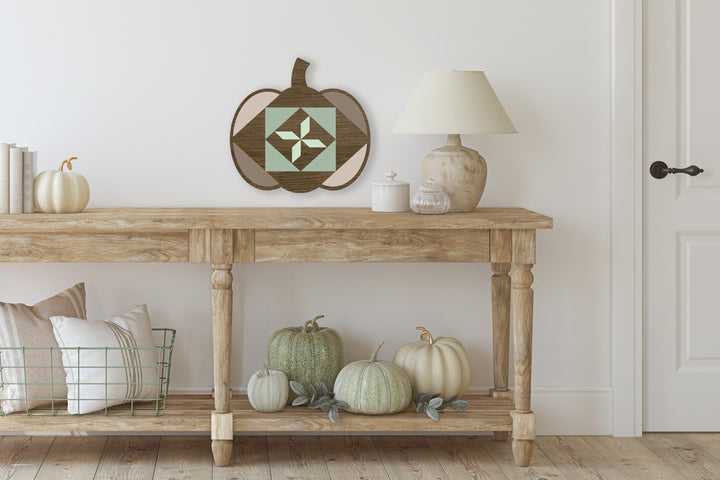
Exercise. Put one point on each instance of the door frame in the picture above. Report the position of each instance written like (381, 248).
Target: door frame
(626, 216)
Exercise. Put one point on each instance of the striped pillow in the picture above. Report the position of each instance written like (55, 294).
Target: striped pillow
(98, 378)
(27, 381)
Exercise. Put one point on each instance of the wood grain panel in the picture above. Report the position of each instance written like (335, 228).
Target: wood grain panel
(21, 456)
(352, 458)
(243, 246)
(249, 460)
(102, 247)
(500, 246)
(154, 219)
(465, 457)
(192, 413)
(73, 457)
(183, 458)
(297, 458)
(127, 458)
(371, 246)
(409, 457)
(199, 245)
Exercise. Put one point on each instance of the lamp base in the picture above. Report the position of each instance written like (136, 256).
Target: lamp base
(461, 171)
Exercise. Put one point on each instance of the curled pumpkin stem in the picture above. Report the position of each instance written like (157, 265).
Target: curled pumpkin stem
(67, 162)
(425, 335)
(307, 328)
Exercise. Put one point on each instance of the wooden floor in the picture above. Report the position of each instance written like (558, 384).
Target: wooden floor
(655, 456)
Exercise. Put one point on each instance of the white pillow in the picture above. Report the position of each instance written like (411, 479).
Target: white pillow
(98, 378)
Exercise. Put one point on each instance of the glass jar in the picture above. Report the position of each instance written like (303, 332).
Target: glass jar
(431, 200)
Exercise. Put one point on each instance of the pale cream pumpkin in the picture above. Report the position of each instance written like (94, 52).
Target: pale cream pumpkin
(437, 365)
(374, 387)
(56, 191)
(268, 390)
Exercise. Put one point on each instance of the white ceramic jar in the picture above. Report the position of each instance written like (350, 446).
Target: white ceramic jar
(390, 195)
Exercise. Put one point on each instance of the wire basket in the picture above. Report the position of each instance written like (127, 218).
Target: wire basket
(158, 379)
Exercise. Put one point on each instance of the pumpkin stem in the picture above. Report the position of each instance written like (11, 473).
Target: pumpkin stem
(373, 357)
(267, 370)
(307, 328)
(67, 162)
(425, 335)
(298, 73)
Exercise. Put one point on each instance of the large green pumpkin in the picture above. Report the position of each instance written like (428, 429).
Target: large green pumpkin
(373, 387)
(309, 354)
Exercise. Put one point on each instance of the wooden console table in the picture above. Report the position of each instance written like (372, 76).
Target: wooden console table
(504, 237)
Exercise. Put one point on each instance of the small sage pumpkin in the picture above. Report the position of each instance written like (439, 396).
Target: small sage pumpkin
(268, 390)
(437, 365)
(56, 191)
(373, 387)
(308, 355)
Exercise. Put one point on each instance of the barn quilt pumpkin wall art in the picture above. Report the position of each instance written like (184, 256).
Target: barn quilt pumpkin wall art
(300, 139)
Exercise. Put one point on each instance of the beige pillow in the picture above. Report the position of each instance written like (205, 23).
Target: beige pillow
(36, 384)
(117, 362)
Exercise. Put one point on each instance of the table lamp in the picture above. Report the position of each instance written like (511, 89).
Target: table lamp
(454, 103)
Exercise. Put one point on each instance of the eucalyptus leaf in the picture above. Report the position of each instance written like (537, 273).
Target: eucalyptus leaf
(342, 405)
(297, 387)
(301, 400)
(334, 415)
(435, 402)
(432, 413)
(459, 405)
(323, 389)
(420, 407)
(452, 399)
(325, 407)
(435, 395)
(424, 397)
(312, 390)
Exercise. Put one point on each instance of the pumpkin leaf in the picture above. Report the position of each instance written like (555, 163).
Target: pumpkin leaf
(297, 387)
(435, 402)
(323, 389)
(459, 405)
(432, 413)
(301, 400)
(333, 414)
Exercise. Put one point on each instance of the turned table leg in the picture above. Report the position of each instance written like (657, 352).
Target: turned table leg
(501, 334)
(522, 313)
(222, 417)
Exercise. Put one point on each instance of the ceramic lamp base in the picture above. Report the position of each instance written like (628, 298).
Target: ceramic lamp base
(461, 171)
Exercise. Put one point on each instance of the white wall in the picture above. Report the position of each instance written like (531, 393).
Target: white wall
(143, 94)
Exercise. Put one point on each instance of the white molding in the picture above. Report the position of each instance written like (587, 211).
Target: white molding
(626, 216)
(576, 410)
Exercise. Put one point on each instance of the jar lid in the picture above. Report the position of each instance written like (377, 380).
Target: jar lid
(431, 188)
(389, 180)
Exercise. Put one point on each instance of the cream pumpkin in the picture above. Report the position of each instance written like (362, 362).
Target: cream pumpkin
(61, 192)
(437, 365)
(268, 390)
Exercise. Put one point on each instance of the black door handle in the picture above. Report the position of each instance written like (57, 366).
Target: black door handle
(660, 170)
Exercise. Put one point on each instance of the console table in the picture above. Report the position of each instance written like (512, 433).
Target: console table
(504, 237)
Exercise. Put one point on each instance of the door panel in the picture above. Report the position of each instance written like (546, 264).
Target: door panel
(681, 105)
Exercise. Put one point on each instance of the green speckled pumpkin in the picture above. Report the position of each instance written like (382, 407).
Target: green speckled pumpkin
(373, 387)
(309, 354)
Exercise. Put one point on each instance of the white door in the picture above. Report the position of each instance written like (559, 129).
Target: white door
(681, 115)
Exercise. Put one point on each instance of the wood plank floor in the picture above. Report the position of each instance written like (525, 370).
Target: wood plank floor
(655, 456)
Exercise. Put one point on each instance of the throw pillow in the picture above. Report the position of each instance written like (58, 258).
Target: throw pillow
(110, 362)
(26, 377)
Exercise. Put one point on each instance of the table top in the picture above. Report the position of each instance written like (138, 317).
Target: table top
(284, 218)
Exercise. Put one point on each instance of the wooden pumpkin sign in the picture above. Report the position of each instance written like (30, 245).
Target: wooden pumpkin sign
(300, 139)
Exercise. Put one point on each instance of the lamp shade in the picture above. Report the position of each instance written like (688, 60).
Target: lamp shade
(454, 102)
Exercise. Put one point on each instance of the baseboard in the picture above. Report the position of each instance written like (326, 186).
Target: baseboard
(559, 410)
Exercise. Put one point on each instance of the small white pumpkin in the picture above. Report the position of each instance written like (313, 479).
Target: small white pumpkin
(437, 365)
(373, 387)
(61, 192)
(268, 390)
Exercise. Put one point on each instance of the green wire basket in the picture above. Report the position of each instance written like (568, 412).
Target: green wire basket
(164, 341)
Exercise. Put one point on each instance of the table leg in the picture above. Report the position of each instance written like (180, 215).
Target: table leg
(501, 334)
(522, 313)
(222, 417)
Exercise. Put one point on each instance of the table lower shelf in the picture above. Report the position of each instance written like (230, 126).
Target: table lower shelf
(191, 413)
